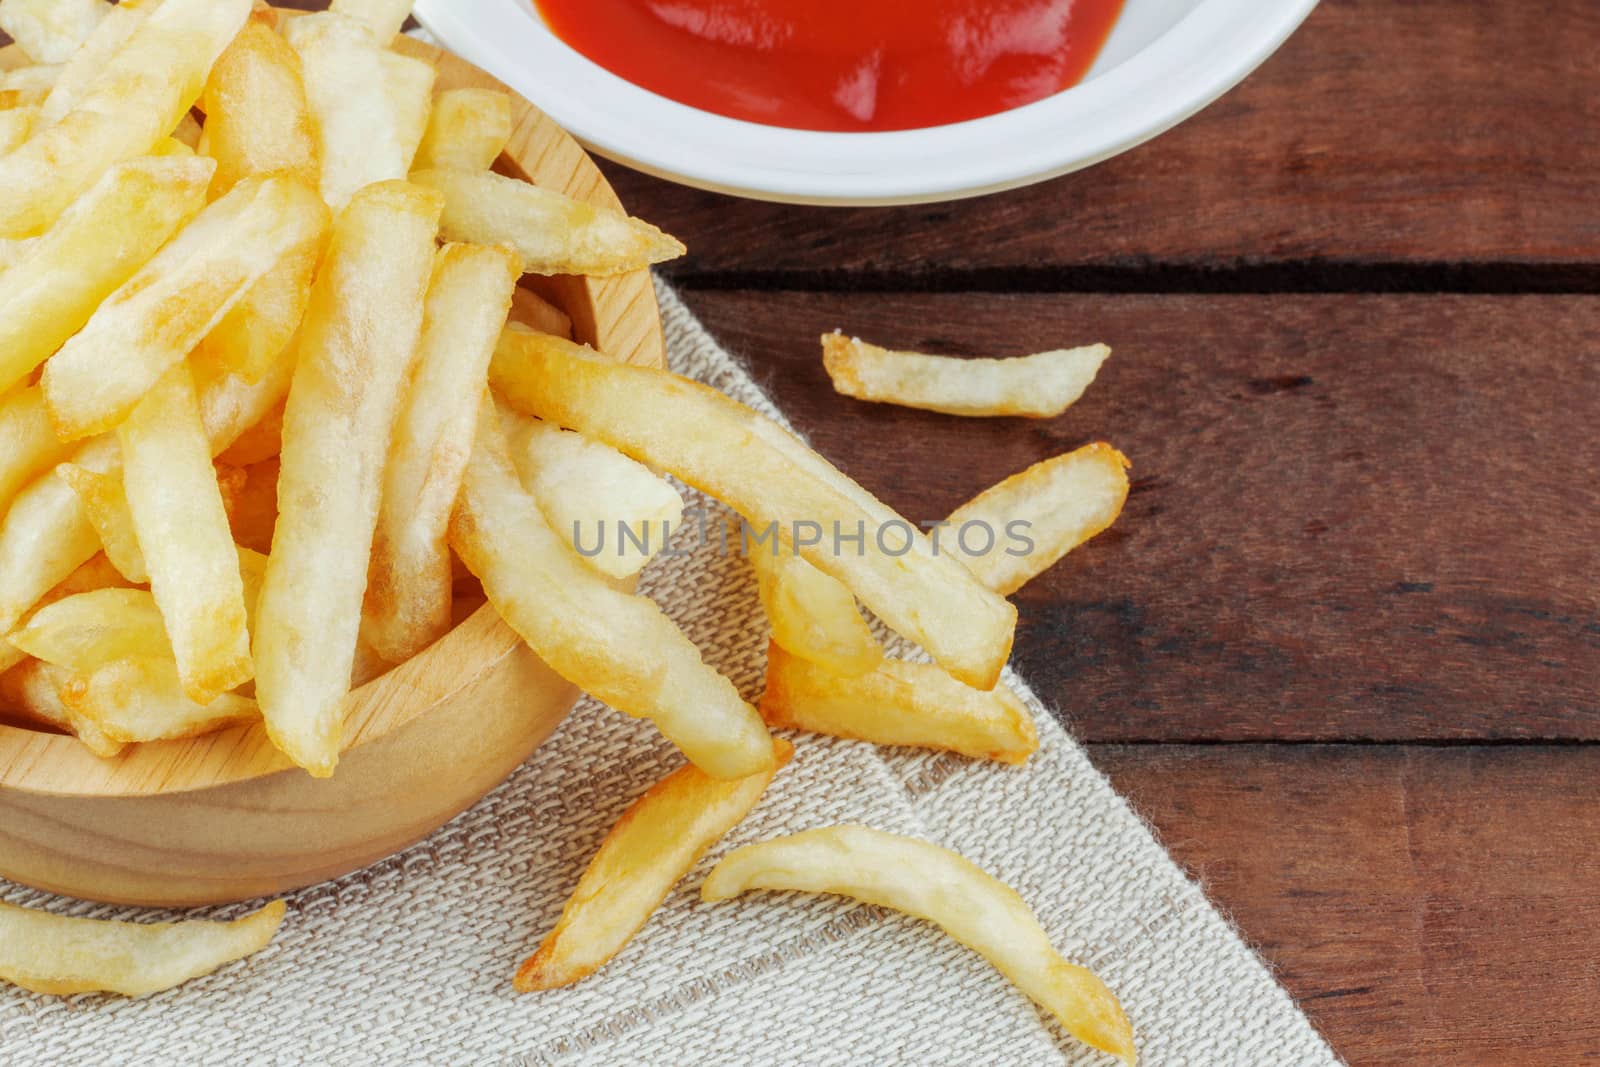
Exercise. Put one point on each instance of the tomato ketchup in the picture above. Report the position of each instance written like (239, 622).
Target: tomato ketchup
(841, 64)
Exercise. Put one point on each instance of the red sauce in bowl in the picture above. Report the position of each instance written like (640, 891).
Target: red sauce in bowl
(846, 65)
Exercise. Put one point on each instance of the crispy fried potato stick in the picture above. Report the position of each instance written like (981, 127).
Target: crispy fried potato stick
(90, 59)
(105, 503)
(410, 89)
(1064, 501)
(98, 573)
(133, 102)
(182, 528)
(583, 486)
(766, 475)
(899, 703)
(616, 646)
(657, 841)
(93, 628)
(139, 698)
(28, 445)
(467, 130)
(813, 615)
(160, 314)
(27, 86)
(50, 31)
(355, 350)
(34, 687)
(255, 511)
(102, 240)
(359, 139)
(1036, 387)
(933, 883)
(408, 588)
(382, 17)
(54, 954)
(257, 119)
(16, 125)
(554, 234)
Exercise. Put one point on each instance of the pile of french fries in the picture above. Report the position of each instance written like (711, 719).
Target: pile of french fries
(273, 407)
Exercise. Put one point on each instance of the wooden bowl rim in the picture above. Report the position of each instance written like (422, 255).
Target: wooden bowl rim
(49, 764)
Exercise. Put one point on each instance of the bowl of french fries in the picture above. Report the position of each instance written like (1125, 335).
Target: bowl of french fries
(254, 267)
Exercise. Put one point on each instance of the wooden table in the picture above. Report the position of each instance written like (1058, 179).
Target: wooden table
(1343, 647)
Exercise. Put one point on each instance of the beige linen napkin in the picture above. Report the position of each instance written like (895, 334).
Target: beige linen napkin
(410, 961)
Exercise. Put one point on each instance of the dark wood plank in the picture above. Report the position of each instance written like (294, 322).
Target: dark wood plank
(1424, 905)
(1353, 516)
(1402, 131)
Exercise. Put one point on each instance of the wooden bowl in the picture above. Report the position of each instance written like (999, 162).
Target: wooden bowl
(226, 817)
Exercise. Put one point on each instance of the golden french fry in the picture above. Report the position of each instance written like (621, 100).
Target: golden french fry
(812, 615)
(16, 124)
(355, 349)
(90, 629)
(657, 841)
(28, 445)
(383, 18)
(586, 489)
(46, 534)
(102, 240)
(133, 102)
(616, 646)
(258, 443)
(410, 89)
(468, 129)
(50, 31)
(1060, 503)
(899, 703)
(257, 119)
(89, 60)
(54, 954)
(98, 573)
(1036, 387)
(534, 312)
(27, 86)
(772, 480)
(408, 588)
(183, 531)
(359, 136)
(105, 503)
(256, 510)
(160, 314)
(944, 888)
(243, 418)
(33, 689)
(136, 699)
(554, 234)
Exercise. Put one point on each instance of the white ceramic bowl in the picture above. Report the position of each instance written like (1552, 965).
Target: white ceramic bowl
(1165, 60)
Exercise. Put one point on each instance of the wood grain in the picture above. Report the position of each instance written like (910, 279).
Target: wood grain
(1430, 133)
(1424, 905)
(1352, 516)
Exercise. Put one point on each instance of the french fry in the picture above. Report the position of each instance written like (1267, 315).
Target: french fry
(257, 444)
(410, 89)
(134, 102)
(98, 573)
(46, 534)
(257, 118)
(90, 629)
(89, 60)
(1036, 387)
(1064, 501)
(899, 703)
(533, 311)
(814, 616)
(467, 130)
(616, 646)
(105, 503)
(49, 31)
(772, 480)
(256, 510)
(359, 136)
(160, 314)
(102, 240)
(28, 446)
(183, 531)
(554, 234)
(657, 841)
(57, 955)
(937, 885)
(383, 18)
(355, 349)
(16, 123)
(137, 699)
(27, 86)
(408, 587)
(33, 689)
(583, 486)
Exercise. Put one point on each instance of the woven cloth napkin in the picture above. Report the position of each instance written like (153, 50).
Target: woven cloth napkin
(410, 960)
